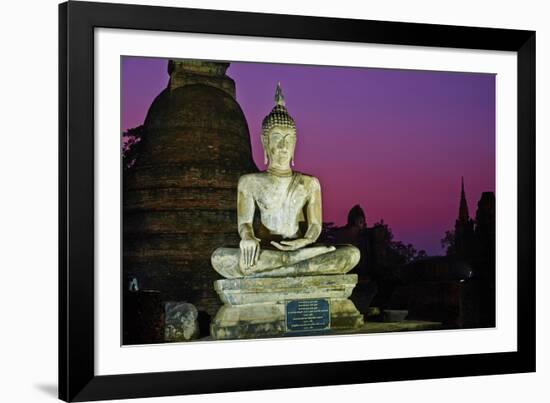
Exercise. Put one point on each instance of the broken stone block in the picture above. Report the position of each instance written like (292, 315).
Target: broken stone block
(181, 321)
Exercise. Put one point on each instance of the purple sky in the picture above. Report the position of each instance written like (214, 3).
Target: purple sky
(394, 141)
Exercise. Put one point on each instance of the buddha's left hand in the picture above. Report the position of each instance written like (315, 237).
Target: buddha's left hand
(292, 245)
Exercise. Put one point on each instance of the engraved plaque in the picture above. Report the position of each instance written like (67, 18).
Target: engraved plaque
(307, 315)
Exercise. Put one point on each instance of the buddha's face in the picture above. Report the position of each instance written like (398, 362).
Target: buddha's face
(279, 144)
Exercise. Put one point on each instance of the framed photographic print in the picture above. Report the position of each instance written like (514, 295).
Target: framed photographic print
(256, 201)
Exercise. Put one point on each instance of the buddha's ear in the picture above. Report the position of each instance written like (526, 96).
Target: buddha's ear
(294, 152)
(265, 143)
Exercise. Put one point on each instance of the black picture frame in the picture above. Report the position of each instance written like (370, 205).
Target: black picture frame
(77, 379)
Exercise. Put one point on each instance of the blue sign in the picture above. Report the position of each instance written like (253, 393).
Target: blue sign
(307, 315)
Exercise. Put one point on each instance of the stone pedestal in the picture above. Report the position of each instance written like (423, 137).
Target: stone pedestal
(256, 307)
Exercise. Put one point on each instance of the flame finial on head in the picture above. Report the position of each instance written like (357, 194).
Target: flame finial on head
(279, 97)
(279, 115)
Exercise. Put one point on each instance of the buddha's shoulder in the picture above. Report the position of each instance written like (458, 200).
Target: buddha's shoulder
(309, 181)
(250, 179)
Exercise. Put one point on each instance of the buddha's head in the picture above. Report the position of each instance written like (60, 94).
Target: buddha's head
(279, 134)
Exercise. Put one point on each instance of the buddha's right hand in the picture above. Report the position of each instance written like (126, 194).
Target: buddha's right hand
(250, 253)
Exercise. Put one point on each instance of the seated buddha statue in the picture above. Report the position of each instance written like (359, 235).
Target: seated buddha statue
(289, 206)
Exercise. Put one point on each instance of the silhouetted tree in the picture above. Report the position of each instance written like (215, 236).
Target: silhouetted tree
(448, 242)
(131, 140)
(396, 253)
(421, 255)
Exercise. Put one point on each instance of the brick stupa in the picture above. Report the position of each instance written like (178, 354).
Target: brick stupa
(179, 197)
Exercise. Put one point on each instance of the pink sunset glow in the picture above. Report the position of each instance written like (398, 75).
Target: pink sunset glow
(396, 142)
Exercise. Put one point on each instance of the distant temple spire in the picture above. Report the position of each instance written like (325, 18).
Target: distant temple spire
(463, 214)
(464, 228)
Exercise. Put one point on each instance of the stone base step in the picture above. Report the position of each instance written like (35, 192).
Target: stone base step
(245, 291)
(269, 320)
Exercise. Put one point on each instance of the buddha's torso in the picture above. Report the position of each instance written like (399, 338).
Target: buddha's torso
(280, 200)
